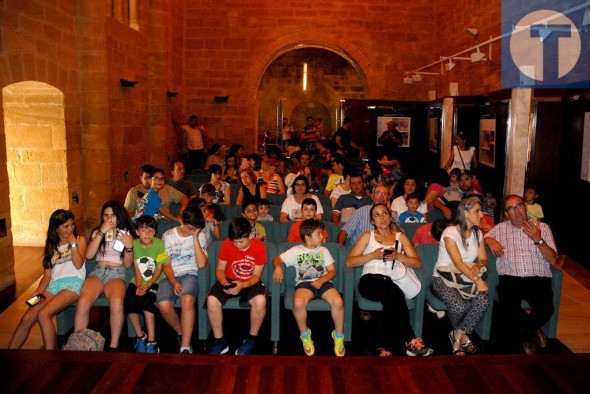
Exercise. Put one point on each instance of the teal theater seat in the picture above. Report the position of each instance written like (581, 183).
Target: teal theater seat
(338, 252)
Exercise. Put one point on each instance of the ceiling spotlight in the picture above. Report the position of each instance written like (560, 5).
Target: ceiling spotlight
(417, 77)
(408, 79)
(477, 56)
(471, 31)
(450, 65)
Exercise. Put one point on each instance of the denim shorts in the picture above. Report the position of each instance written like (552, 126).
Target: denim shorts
(317, 293)
(71, 283)
(106, 274)
(189, 284)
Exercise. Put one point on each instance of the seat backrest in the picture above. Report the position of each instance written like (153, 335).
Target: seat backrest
(272, 230)
(213, 258)
(333, 229)
(435, 214)
(284, 231)
(428, 254)
(276, 199)
(338, 253)
(410, 229)
(275, 212)
(230, 211)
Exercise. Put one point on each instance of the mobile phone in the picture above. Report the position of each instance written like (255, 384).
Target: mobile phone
(36, 299)
(230, 286)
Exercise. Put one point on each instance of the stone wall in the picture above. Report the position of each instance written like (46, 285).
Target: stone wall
(229, 44)
(452, 19)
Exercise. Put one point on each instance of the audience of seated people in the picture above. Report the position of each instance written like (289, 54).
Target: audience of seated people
(360, 204)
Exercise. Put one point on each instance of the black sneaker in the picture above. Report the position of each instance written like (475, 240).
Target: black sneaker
(219, 347)
(246, 348)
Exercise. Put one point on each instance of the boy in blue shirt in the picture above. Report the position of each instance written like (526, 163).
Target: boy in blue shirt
(315, 271)
(412, 215)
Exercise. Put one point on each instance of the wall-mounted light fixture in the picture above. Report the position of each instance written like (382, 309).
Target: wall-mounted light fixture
(477, 56)
(127, 83)
(416, 76)
(171, 93)
(304, 77)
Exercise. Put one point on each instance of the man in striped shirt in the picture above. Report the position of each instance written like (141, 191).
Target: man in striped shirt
(360, 221)
(525, 250)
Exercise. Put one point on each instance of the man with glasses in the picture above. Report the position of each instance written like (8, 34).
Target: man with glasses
(525, 250)
(360, 221)
(150, 180)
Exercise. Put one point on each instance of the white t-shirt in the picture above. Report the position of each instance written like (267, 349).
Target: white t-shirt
(293, 209)
(467, 155)
(63, 266)
(399, 205)
(182, 251)
(468, 254)
(311, 263)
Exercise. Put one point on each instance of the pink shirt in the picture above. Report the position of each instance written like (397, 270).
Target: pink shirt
(521, 257)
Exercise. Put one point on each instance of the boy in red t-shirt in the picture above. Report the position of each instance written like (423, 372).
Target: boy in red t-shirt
(239, 268)
(308, 211)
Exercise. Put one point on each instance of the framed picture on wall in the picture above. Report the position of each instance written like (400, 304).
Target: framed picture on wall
(487, 142)
(433, 134)
(402, 124)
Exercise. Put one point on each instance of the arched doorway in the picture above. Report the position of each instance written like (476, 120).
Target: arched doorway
(332, 76)
(36, 158)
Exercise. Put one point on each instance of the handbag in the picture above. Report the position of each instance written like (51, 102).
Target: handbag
(86, 340)
(404, 277)
(452, 277)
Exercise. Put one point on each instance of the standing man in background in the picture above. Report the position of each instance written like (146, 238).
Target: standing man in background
(193, 143)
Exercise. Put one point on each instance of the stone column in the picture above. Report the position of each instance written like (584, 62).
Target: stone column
(518, 141)
(446, 135)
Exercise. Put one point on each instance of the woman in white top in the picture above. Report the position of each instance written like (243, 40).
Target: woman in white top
(112, 247)
(398, 205)
(460, 245)
(291, 208)
(462, 157)
(377, 251)
(63, 275)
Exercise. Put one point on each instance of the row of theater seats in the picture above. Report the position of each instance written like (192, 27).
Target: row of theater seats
(346, 282)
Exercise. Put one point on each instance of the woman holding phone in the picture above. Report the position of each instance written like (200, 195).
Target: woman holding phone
(111, 245)
(376, 251)
(63, 275)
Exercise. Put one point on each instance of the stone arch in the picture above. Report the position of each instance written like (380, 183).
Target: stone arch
(34, 126)
(336, 44)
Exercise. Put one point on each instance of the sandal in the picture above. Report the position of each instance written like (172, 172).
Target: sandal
(469, 346)
(456, 351)
(384, 352)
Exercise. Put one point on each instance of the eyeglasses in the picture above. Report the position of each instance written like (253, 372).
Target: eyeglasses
(513, 207)
(158, 179)
(382, 193)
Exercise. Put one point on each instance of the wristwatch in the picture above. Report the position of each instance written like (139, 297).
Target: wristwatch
(129, 250)
(73, 246)
(540, 242)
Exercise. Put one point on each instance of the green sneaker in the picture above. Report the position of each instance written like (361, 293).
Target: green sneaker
(338, 345)
(308, 347)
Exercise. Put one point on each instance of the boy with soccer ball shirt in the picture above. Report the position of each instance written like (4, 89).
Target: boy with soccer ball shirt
(315, 271)
(241, 261)
(149, 255)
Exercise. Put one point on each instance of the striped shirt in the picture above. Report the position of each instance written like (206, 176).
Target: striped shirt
(359, 223)
(521, 257)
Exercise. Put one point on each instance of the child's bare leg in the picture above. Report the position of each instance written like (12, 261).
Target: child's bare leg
(257, 313)
(333, 298)
(134, 320)
(300, 300)
(150, 324)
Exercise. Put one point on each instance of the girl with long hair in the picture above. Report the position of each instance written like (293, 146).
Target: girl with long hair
(63, 275)
(111, 245)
